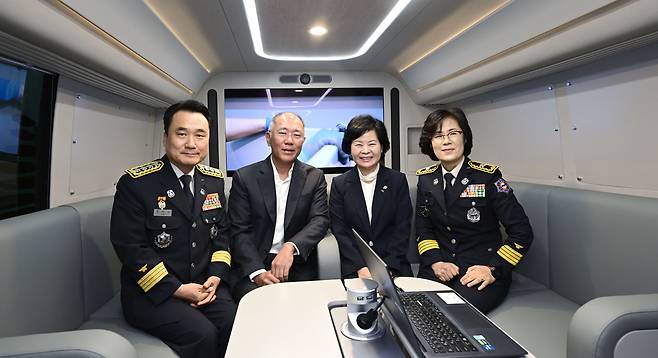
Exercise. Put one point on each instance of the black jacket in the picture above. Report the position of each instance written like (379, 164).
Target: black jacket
(389, 231)
(160, 250)
(466, 231)
(252, 210)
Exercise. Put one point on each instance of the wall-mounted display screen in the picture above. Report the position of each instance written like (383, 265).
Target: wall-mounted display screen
(325, 112)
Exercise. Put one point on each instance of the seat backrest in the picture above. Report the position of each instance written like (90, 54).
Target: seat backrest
(602, 244)
(100, 266)
(40, 273)
(412, 252)
(534, 199)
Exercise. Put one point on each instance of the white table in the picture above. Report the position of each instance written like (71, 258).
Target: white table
(292, 319)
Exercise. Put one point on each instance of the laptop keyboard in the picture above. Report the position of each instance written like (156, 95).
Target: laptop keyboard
(440, 334)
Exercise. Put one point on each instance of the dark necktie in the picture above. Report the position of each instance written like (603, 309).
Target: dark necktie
(187, 194)
(447, 191)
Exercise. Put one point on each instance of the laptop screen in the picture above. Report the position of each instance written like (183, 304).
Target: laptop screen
(379, 271)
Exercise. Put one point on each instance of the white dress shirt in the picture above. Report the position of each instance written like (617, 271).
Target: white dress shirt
(368, 183)
(180, 173)
(454, 172)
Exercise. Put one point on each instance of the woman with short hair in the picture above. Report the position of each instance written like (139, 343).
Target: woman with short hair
(372, 199)
(460, 205)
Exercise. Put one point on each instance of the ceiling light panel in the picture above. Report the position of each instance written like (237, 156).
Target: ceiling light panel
(279, 29)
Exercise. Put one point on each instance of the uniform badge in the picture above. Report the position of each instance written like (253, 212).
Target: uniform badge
(384, 188)
(143, 268)
(436, 181)
(502, 186)
(161, 202)
(213, 231)
(474, 191)
(464, 181)
(211, 202)
(202, 191)
(163, 240)
(170, 193)
(473, 215)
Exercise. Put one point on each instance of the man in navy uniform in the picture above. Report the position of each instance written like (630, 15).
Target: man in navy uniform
(170, 230)
(278, 211)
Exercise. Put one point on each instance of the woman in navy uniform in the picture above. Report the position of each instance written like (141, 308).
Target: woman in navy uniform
(170, 230)
(460, 205)
(372, 199)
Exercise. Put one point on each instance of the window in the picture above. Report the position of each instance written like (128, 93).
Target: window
(27, 100)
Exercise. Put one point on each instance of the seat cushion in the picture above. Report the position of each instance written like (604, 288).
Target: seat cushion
(146, 345)
(537, 318)
(110, 317)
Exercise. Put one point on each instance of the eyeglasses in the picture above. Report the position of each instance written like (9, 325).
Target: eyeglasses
(450, 135)
(284, 134)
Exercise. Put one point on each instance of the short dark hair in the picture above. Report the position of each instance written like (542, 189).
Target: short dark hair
(432, 124)
(189, 105)
(361, 124)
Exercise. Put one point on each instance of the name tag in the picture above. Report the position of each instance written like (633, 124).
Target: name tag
(161, 212)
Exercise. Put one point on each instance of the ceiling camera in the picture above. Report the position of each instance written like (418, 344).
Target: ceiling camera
(304, 78)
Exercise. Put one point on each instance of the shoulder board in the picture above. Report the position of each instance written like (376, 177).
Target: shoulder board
(144, 169)
(213, 172)
(483, 167)
(427, 170)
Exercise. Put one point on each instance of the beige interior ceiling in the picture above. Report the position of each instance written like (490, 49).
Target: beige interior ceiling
(169, 48)
(201, 26)
(217, 32)
(284, 25)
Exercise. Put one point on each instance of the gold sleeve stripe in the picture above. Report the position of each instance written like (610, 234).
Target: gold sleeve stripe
(507, 257)
(221, 256)
(152, 277)
(512, 252)
(426, 245)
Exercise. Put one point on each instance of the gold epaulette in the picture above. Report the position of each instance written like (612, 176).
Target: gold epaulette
(213, 172)
(427, 170)
(146, 168)
(483, 167)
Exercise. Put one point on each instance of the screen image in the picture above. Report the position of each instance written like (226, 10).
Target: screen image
(12, 85)
(325, 112)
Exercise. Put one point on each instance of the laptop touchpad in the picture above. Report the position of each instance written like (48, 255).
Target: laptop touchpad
(467, 317)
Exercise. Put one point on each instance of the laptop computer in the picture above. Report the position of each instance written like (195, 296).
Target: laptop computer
(437, 323)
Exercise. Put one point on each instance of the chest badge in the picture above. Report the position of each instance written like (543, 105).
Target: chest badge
(473, 215)
(161, 202)
(211, 202)
(213, 231)
(464, 181)
(436, 181)
(163, 240)
(170, 193)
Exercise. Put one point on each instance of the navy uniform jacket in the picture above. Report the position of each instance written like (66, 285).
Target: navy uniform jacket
(388, 233)
(252, 210)
(466, 231)
(160, 250)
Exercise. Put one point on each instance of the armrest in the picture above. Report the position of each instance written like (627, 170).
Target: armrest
(328, 258)
(599, 325)
(84, 343)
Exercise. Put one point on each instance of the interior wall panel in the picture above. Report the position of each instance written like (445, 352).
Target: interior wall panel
(96, 136)
(616, 121)
(518, 133)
